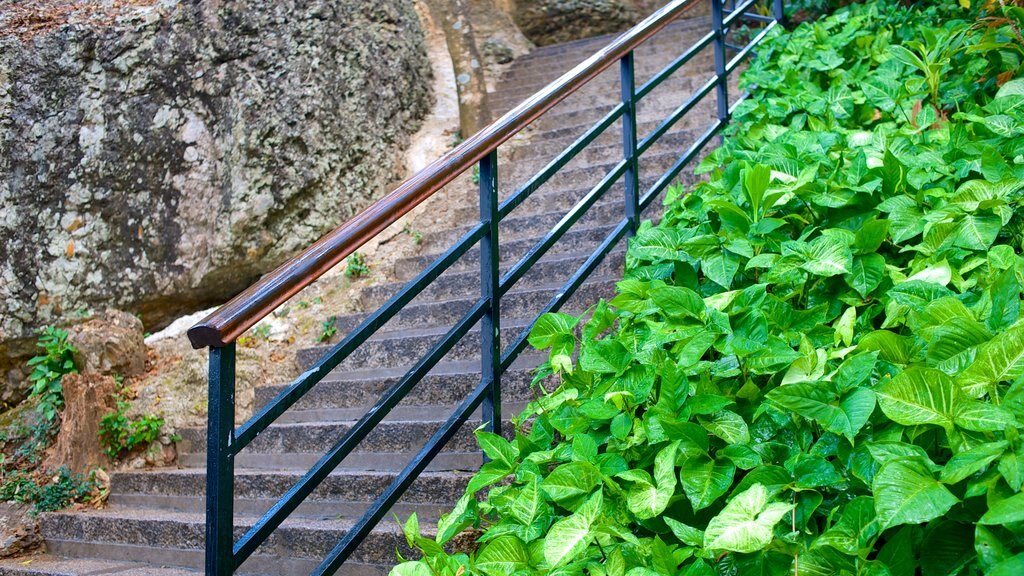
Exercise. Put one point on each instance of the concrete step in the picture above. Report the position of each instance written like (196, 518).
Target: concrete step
(520, 303)
(388, 447)
(573, 241)
(549, 270)
(176, 538)
(683, 32)
(515, 227)
(342, 495)
(51, 565)
(345, 396)
(604, 89)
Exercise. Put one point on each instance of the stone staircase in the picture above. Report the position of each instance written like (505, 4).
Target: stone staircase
(154, 523)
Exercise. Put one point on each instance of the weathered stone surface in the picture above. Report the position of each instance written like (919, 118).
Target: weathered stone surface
(19, 530)
(112, 343)
(162, 163)
(87, 398)
(553, 21)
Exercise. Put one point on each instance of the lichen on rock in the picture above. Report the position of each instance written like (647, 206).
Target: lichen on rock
(160, 161)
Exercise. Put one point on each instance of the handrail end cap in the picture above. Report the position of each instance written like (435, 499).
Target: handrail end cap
(203, 335)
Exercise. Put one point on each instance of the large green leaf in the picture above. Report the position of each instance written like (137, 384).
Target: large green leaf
(856, 529)
(1001, 360)
(971, 461)
(502, 556)
(550, 327)
(1005, 511)
(827, 256)
(816, 401)
(745, 524)
(705, 480)
(569, 537)
(919, 396)
(571, 480)
(906, 492)
(865, 273)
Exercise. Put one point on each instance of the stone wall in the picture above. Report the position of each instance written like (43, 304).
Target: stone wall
(161, 161)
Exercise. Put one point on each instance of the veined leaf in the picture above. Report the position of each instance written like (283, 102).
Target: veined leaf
(856, 529)
(906, 492)
(502, 556)
(1005, 511)
(705, 480)
(1001, 360)
(571, 480)
(550, 327)
(745, 524)
(919, 396)
(569, 537)
(971, 461)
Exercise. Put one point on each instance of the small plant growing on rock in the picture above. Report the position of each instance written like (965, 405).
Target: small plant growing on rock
(120, 434)
(417, 238)
(356, 266)
(328, 328)
(49, 368)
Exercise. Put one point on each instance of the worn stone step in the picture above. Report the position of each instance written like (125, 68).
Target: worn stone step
(573, 241)
(605, 90)
(535, 154)
(522, 302)
(176, 539)
(390, 446)
(576, 51)
(346, 395)
(515, 227)
(51, 565)
(556, 268)
(342, 495)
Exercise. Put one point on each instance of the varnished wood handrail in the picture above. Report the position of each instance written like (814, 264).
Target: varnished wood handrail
(253, 304)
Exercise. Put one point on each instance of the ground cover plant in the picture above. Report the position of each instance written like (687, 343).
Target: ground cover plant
(815, 362)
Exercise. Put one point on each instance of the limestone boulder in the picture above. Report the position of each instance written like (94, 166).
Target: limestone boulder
(110, 344)
(160, 159)
(553, 21)
(19, 530)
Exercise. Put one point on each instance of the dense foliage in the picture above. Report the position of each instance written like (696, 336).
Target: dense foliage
(815, 362)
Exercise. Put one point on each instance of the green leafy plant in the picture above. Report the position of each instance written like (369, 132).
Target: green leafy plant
(355, 266)
(120, 434)
(48, 369)
(328, 328)
(50, 492)
(814, 363)
(417, 237)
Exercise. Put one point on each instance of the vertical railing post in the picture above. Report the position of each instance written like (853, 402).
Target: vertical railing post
(490, 325)
(220, 462)
(778, 12)
(632, 177)
(721, 87)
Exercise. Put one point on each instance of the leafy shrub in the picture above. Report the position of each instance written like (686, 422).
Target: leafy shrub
(328, 328)
(355, 266)
(55, 492)
(815, 362)
(49, 368)
(120, 434)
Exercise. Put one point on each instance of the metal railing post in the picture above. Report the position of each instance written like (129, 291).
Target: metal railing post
(220, 461)
(778, 12)
(721, 87)
(632, 177)
(490, 325)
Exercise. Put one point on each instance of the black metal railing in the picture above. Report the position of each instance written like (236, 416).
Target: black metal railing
(220, 330)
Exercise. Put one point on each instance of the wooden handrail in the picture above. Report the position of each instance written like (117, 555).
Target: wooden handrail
(253, 304)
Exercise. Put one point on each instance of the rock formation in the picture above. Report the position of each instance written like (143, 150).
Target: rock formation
(162, 159)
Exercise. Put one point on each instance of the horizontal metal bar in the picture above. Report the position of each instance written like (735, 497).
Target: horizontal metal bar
(298, 492)
(737, 12)
(398, 486)
(568, 289)
(561, 160)
(676, 64)
(289, 396)
(749, 48)
(243, 311)
(672, 172)
(676, 115)
(571, 217)
(755, 16)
